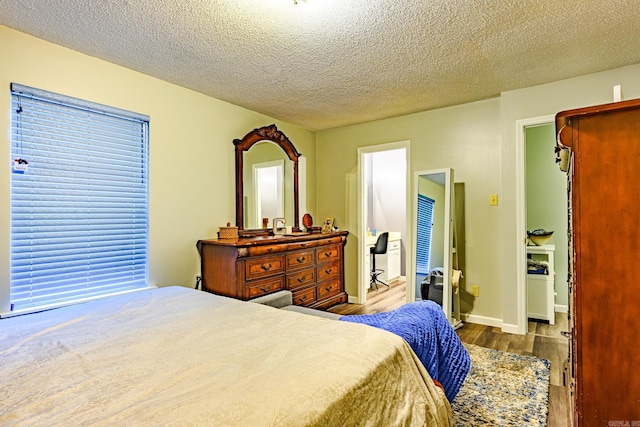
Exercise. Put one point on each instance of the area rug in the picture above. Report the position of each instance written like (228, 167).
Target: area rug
(503, 389)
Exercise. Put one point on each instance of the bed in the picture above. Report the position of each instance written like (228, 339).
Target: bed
(177, 356)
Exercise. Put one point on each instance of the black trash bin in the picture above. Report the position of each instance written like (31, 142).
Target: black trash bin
(431, 287)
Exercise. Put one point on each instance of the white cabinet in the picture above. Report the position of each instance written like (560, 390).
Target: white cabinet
(392, 269)
(540, 287)
(389, 262)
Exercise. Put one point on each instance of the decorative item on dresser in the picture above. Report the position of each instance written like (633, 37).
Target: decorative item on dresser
(261, 261)
(604, 357)
(309, 265)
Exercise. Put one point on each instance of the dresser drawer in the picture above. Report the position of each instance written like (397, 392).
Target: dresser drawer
(328, 289)
(302, 245)
(300, 259)
(328, 253)
(327, 271)
(305, 296)
(265, 286)
(264, 266)
(394, 245)
(266, 250)
(301, 278)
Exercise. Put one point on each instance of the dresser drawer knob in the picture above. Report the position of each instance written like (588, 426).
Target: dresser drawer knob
(328, 288)
(301, 259)
(265, 288)
(300, 279)
(328, 271)
(266, 267)
(327, 254)
(270, 249)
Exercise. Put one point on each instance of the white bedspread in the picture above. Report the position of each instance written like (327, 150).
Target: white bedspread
(176, 356)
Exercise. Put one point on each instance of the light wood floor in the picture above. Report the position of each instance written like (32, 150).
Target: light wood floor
(542, 340)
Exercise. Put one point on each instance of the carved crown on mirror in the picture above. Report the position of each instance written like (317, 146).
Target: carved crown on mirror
(266, 133)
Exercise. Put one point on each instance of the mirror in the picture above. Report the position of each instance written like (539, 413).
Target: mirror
(266, 180)
(434, 241)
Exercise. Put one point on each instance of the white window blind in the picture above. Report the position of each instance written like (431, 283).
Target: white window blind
(425, 224)
(79, 213)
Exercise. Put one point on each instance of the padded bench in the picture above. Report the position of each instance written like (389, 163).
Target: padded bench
(284, 301)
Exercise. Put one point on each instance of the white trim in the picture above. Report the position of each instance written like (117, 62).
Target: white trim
(521, 220)
(361, 232)
(482, 320)
(561, 308)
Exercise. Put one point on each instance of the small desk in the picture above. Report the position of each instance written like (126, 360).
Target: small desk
(540, 287)
(390, 262)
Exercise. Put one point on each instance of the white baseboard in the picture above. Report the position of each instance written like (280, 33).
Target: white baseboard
(561, 308)
(482, 320)
(353, 300)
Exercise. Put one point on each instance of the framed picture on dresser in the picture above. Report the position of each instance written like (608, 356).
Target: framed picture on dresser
(327, 225)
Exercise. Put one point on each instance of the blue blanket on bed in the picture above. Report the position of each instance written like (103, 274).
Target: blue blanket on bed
(428, 332)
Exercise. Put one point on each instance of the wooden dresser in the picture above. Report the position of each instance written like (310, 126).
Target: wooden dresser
(309, 265)
(604, 288)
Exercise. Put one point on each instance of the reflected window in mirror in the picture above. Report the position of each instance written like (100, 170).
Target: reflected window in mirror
(268, 185)
(268, 192)
(425, 224)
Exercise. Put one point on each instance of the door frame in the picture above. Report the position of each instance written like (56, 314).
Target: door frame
(361, 231)
(521, 218)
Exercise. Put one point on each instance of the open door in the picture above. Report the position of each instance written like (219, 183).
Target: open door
(432, 228)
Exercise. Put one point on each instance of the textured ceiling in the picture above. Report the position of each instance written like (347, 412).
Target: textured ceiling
(327, 63)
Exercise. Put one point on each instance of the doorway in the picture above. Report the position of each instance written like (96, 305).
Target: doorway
(540, 204)
(382, 207)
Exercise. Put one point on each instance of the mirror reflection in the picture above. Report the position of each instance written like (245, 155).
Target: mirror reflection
(268, 185)
(267, 180)
(434, 251)
(430, 250)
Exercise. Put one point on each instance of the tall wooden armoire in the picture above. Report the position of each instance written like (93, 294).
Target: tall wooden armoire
(603, 372)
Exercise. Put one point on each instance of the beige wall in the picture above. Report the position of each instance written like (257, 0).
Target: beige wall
(190, 198)
(548, 99)
(478, 141)
(191, 190)
(465, 138)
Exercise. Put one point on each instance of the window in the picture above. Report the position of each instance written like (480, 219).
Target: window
(425, 224)
(79, 212)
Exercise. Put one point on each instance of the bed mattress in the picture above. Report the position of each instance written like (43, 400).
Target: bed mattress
(176, 356)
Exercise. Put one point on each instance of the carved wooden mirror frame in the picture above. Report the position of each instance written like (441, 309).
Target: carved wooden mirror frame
(266, 133)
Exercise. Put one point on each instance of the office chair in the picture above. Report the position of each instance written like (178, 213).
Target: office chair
(380, 248)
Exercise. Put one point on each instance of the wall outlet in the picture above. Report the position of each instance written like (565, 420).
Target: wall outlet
(493, 200)
(475, 290)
